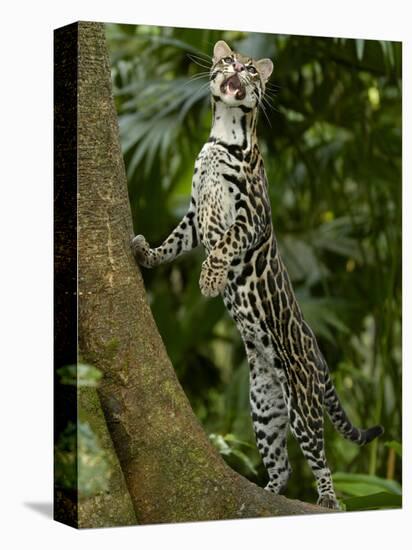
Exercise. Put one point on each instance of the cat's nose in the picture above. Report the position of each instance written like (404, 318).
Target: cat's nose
(238, 66)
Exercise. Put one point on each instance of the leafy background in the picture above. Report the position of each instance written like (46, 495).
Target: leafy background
(330, 135)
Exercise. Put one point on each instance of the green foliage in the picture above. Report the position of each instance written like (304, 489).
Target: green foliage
(396, 446)
(79, 375)
(65, 471)
(375, 501)
(93, 468)
(228, 446)
(80, 462)
(331, 140)
(366, 492)
(361, 485)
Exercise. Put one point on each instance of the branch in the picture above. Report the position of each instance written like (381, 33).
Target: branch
(172, 471)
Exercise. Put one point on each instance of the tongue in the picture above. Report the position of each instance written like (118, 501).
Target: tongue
(233, 84)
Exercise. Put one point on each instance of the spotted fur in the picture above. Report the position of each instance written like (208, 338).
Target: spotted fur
(230, 215)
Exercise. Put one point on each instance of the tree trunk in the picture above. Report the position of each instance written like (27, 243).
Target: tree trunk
(172, 471)
(112, 507)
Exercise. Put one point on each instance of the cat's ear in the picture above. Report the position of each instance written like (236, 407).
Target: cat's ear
(221, 50)
(265, 68)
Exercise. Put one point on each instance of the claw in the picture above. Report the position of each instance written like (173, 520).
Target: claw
(140, 249)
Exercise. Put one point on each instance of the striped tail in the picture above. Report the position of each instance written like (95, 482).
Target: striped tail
(341, 421)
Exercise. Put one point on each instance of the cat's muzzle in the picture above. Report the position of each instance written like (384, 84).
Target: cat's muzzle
(234, 87)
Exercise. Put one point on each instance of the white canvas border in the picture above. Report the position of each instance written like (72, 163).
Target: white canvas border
(26, 277)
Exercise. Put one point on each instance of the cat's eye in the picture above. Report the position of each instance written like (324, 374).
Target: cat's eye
(227, 60)
(252, 69)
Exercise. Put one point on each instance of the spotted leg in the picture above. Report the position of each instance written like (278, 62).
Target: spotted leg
(183, 238)
(306, 424)
(270, 421)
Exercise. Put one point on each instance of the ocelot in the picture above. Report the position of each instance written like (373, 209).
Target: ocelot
(230, 215)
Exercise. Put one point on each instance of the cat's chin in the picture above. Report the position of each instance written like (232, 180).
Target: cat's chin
(231, 101)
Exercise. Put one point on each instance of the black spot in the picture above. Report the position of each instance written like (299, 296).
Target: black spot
(243, 125)
(260, 434)
(271, 438)
(239, 182)
(271, 283)
(260, 263)
(265, 340)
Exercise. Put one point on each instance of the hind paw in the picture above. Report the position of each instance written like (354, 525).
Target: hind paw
(329, 501)
(274, 487)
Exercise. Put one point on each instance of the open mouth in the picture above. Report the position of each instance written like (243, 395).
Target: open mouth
(232, 86)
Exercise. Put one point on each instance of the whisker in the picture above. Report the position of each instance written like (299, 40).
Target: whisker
(205, 57)
(261, 105)
(248, 84)
(272, 106)
(265, 113)
(273, 87)
(195, 59)
(262, 101)
(199, 76)
(167, 95)
(196, 96)
(269, 97)
(209, 47)
(266, 102)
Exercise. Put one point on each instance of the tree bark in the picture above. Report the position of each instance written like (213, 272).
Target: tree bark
(111, 508)
(172, 471)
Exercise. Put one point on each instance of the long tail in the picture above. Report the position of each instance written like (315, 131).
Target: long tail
(340, 419)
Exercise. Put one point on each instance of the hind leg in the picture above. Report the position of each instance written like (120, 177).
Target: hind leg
(277, 462)
(270, 421)
(306, 424)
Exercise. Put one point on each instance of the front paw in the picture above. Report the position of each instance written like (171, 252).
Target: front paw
(212, 279)
(141, 250)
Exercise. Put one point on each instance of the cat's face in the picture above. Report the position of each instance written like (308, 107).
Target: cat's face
(238, 80)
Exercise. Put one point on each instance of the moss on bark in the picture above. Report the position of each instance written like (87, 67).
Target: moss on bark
(112, 507)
